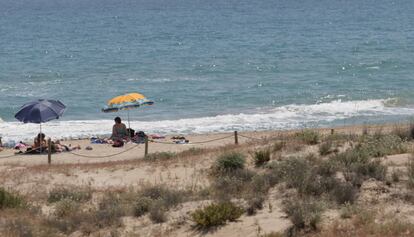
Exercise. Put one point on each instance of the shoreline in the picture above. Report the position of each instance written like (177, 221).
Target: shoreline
(130, 151)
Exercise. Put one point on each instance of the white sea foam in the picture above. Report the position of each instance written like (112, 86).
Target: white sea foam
(284, 117)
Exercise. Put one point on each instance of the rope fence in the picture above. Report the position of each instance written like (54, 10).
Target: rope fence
(236, 136)
(104, 156)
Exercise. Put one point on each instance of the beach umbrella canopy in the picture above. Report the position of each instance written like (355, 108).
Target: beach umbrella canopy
(126, 102)
(40, 111)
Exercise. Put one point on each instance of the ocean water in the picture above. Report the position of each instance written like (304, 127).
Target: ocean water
(210, 66)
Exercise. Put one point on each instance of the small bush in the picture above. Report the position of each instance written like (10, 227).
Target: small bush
(309, 137)
(65, 208)
(232, 184)
(158, 211)
(254, 203)
(395, 176)
(358, 162)
(261, 156)
(344, 193)
(160, 156)
(216, 214)
(9, 200)
(382, 145)
(110, 209)
(230, 162)
(74, 194)
(293, 171)
(348, 211)
(193, 151)
(325, 148)
(304, 214)
(326, 168)
(17, 227)
(410, 172)
(402, 132)
(142, 206)
(278, 146)
(169, 197)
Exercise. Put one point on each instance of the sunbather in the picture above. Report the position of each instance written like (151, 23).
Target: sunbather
(119, 131)
(39, 144)
(58, 147)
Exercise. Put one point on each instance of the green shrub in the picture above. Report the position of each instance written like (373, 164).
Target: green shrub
(142, 206)
(233, 184)
(169, 197)
(193, 151)
(292, 170)
(325, 148)
(382, 145)
(65, 207)
(326, 168)
(307, 177)
(309, 137)
(160, 156)
(278, 146)
(216, 214)
(348, 210)
(109, 211)
(230, 161)
(359, 162)
(17, 227)
(402, 132)
(304, 214)
(261, 183)
(344, 193)
(74, 194)
(395, 175)
(261, 156)
(254, 203)
(10, 200)
(157, 212)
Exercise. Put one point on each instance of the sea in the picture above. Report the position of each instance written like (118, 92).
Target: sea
(210, 66)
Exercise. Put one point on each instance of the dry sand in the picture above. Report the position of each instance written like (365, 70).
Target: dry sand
(134, 151)
(31, 173)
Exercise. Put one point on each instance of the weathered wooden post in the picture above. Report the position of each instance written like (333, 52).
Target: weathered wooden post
(146, 146)
(332, 131)
(236, 138)
(49, 151)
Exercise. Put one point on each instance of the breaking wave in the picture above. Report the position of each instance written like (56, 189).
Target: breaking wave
(283, 117)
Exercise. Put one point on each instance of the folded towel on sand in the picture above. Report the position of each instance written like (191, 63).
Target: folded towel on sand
(156, 136)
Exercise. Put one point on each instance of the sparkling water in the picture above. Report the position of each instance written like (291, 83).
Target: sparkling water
(210, 66)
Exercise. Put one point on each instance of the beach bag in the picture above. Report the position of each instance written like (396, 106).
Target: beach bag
(141, 134)
(130, 132)
(118, 143)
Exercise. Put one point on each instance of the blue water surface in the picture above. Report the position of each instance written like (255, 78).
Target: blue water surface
(204, 58)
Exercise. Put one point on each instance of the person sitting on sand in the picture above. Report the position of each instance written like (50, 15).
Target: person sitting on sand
(119, 131)
(39, 143)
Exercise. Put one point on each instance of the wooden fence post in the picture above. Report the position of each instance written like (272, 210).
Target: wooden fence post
(146, 146)
(236, 138)
(332, 131)
(49, 151)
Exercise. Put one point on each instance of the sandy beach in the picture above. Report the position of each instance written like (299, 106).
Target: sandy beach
(187, 167)
(132, 151)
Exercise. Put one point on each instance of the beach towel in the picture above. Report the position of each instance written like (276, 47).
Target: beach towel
(156, 136)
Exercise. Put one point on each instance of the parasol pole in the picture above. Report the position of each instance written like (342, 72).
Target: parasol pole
(38, 138)
(129, 126)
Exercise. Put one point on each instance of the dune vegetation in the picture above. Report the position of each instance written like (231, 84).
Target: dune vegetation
(304, 183)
